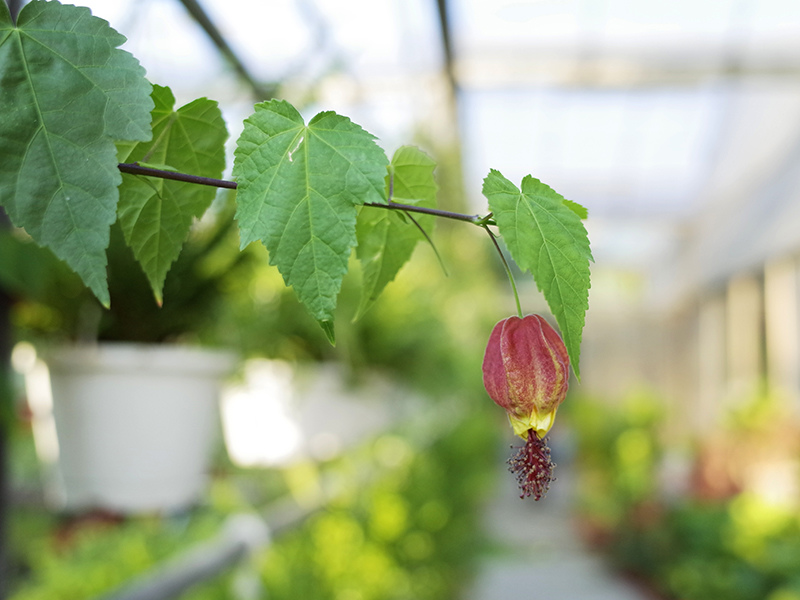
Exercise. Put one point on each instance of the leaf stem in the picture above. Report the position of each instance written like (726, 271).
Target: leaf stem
(507, 268)
(430, 241)
(487, 220)
(391, 183)
(436, 212)
(137, 169)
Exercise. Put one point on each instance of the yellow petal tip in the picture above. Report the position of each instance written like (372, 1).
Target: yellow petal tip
(541, 424)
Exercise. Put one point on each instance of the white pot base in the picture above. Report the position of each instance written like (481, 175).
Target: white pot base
(135, 424)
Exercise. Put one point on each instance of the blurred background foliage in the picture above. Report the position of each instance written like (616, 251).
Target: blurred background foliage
(408, 510)
(713, 529)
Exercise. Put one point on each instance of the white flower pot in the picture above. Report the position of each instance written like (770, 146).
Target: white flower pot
(135, 423)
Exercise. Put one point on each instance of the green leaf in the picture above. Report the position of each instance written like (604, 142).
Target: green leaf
(66, 93)
(546, 237)
(157, 214)
(386, 239)
(298, 189)
(124, 149)
(330, 333)
(578, 209)
(163, 167)
(26, 268)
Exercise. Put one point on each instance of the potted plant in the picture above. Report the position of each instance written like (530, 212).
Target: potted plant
(134, 406)
(133, 398)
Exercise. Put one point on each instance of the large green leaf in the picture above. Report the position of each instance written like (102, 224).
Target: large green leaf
(298, 189)
(66, 93)
(545, 236)
(157, 214)
(386, 239)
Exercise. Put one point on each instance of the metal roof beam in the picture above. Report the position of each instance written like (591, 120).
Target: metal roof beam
(193, 7)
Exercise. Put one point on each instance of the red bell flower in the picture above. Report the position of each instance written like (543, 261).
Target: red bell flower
(526, 372)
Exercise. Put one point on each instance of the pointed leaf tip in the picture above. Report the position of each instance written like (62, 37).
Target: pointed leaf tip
(327, 327)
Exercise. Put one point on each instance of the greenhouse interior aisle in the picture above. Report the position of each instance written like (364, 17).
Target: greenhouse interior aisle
(541, 555)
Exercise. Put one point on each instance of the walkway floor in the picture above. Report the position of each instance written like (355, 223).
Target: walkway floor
(542, 558)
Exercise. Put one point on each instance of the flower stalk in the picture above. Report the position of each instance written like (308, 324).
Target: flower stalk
(506, 267)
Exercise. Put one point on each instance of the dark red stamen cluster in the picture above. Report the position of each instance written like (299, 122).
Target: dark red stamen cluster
(533, 467)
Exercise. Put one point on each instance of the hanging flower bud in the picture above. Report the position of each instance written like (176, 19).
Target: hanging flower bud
(526, 372)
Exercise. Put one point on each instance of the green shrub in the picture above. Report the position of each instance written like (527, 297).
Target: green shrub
(618, 450)
(411, 531)
(740, 548)
(96, 558)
